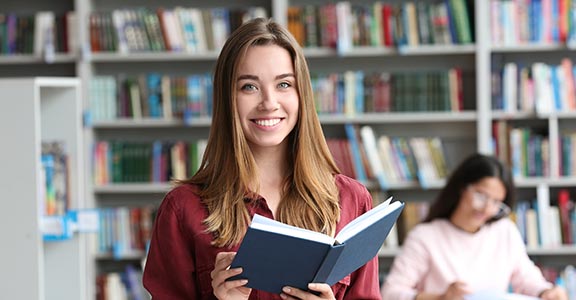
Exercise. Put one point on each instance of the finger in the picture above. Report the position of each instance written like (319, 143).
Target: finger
(293, 293)
(325, 292)
(462, 287)
(220, 276)
(223, 288)
(324, 289)
(224, 259)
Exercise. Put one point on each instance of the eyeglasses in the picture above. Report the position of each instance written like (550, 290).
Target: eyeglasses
(480, 200)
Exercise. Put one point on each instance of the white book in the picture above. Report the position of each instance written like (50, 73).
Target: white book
(120, 25)
(510, 87)
(220, 27)
(197, 21)
(554, 226)
(349, 93)
(391, 168)
(72, 35)
(187, 29)
(544, 96)
(531, 228)
(343, 15)
(44, 34)
(426, 171)
(543, 203)
(369, 141)
(171, 25)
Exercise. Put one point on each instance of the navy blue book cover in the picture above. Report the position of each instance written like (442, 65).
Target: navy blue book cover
(272, 260)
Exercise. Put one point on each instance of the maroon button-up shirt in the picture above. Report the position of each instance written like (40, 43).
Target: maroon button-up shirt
(181, 257)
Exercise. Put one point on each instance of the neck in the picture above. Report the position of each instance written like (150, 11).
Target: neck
(462, 224)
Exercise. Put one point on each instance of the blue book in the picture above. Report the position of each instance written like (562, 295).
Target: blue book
(274, 254)
(356, 153)
(558, 106)
(153, 81)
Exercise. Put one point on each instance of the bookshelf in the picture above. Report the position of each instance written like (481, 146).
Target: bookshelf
(462, 132)
(41, 109)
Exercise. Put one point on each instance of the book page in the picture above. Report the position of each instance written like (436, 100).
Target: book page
(488, 295)
(363, 221)
(266, 224)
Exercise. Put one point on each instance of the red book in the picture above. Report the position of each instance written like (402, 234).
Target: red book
(565, 206)
(387, 25)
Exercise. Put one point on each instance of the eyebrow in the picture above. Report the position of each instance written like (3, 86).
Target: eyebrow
(254, 77)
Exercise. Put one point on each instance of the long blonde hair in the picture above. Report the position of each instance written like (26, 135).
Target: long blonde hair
(228, 169)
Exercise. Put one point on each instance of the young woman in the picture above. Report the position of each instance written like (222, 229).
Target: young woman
(266, 154)
(466, 244)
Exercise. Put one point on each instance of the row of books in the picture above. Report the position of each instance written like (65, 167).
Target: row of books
(390, 160)
(354, 92)
(55, 187)
(546, 222)
(121, 285)
(178, 29)
(150, 95)
(154, 95)
(346, 24)
(535, 21)
(43, 33)
(525, 149)
(125, 231)
(157, 161)
(538, 87)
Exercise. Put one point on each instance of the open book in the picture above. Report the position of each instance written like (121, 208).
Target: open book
(274, 254)
(488, 295)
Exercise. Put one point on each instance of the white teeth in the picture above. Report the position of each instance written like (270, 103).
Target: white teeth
(268, 122)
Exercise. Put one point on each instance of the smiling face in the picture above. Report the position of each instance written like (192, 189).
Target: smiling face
(267, 96)
(478, 203)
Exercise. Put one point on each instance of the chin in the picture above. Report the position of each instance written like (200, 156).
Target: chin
(480, 218)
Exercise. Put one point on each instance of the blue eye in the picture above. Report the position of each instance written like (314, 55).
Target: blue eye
(284, 85)
(248, 87)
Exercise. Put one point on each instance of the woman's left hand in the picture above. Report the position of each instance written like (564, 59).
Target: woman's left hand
(324, 290)
(555, 293)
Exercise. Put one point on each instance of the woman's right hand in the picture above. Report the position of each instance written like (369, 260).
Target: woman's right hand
(456, 291)
(228, 290)
(555, 293)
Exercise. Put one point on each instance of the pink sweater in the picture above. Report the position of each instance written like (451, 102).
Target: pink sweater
(438, 253)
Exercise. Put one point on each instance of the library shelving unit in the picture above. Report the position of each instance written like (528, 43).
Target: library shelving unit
(539, 178)
(462, 132)
(40, 109)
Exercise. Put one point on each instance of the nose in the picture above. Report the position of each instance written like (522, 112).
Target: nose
(268, 100)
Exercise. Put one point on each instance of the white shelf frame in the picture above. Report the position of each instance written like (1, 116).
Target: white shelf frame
(39, 109)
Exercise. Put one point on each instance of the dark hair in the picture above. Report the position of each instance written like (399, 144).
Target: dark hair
(473, 169)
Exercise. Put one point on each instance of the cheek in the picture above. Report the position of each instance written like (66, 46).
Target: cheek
(293, 104)
(243, 106)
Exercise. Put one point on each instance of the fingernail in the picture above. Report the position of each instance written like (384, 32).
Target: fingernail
(286, 289)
